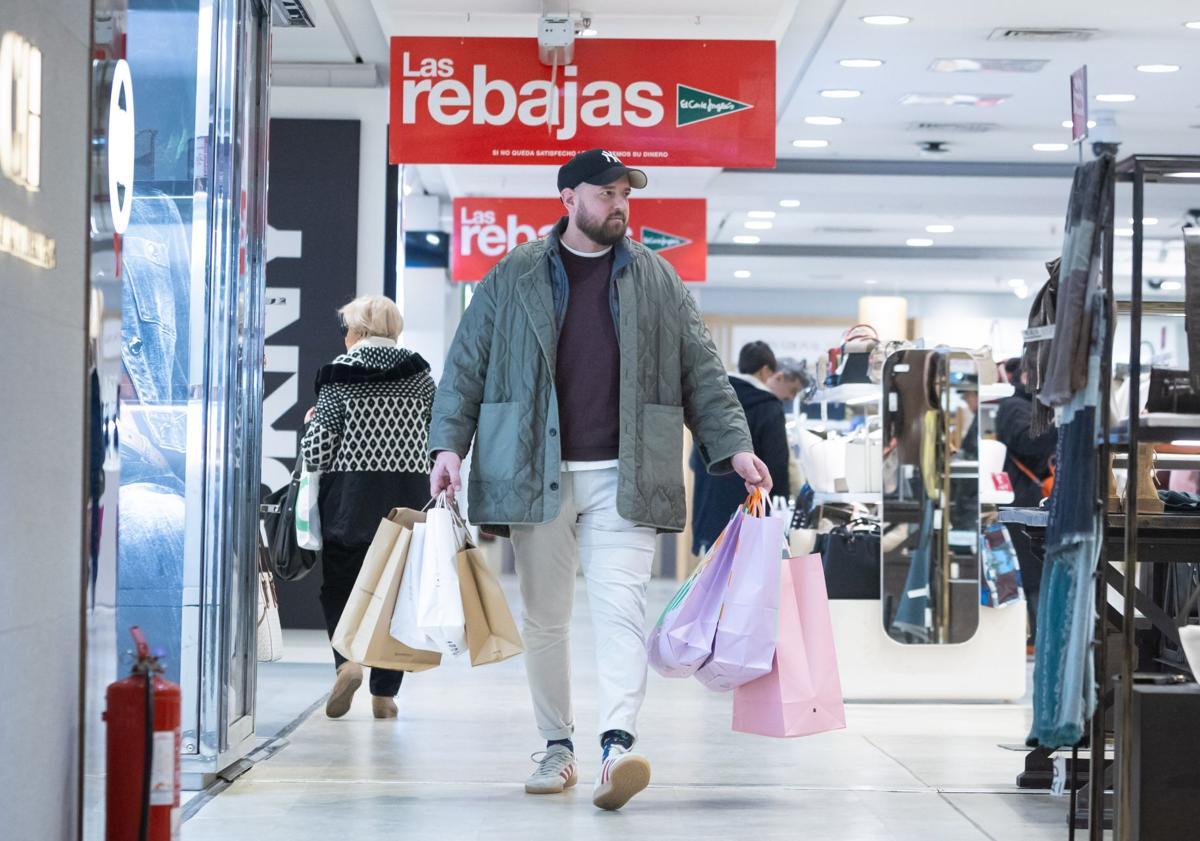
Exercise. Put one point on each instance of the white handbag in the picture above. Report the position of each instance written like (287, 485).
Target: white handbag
(864, 463)
(439, 604)
(308, 513)
(824, 461)
(269, 630)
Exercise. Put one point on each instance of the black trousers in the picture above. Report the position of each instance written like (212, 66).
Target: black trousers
(1031, 561)
(340, 566)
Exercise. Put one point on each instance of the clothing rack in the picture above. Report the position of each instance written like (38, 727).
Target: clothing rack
(1139, 532)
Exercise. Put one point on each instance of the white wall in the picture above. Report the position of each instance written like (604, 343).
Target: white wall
(42, 341)
(370, 107)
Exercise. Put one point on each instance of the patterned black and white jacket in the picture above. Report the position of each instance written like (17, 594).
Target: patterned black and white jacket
(370, 438)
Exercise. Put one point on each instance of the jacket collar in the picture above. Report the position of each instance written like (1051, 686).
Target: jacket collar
(752, 380)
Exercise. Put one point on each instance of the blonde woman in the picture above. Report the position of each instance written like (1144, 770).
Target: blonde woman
(369, 436)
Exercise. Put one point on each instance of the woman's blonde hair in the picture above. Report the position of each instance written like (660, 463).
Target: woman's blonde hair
(372, 315)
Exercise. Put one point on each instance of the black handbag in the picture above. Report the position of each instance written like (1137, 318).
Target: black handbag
(852, 563)
(278, 512)
(1171, 391)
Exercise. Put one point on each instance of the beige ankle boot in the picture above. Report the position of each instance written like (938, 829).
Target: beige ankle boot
(384, 707)
(349, 678)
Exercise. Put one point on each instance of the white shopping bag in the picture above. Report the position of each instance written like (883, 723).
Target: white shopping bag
(439, 604)
(404, 627)
(308, 514)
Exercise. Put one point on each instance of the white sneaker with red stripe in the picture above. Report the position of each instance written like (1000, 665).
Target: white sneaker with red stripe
(622, 775)
(555, 773)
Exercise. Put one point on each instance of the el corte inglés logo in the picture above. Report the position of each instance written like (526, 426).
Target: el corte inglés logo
(696, 106)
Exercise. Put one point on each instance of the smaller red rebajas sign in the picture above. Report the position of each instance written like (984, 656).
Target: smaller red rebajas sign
(485, 229)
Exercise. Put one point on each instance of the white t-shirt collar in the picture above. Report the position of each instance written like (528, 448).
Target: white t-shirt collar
(588, 254)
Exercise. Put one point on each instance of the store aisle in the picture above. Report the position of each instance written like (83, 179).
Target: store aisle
(453, 766)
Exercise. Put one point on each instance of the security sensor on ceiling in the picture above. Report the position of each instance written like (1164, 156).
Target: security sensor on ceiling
(933, 147)
(556, 39)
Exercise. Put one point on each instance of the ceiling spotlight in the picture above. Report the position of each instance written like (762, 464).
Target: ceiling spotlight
(588, 33)
(1069, 124)
(433, 239)
(1171, 286)
(861, 63)
(1021, 292)
(1051, 147)
(1123, 232)
(746, 239)
(918, 242)
(939, 229)
(1017, 282)
(810, 144)
(741, 274)
(761, 214)
(1158, 68)
(838, 93)
(1193, 24)
(789, 203)
(754, 225)
(823, 121)
(1183, 174)
(893, 20)
(1115, 97)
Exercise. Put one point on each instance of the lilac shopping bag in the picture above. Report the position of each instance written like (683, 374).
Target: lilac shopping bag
(683, 636)
(802, 694)
(744, 645)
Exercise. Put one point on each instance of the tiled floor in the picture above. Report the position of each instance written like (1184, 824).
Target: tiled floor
(452, 768)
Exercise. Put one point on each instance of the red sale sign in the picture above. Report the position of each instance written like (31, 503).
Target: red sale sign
(487, 229)
(653, 102)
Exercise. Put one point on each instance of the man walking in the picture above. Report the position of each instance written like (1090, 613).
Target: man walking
(574, 370)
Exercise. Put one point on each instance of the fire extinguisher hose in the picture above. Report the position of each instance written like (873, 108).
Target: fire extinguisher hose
(148, 759)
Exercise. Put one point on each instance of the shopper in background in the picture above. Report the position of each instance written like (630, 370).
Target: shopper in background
(369, 437)
(715, 498)
(574, 370)
(790, 378)
(1027, 465)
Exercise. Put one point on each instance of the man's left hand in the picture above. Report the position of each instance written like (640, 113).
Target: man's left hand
(752, 470)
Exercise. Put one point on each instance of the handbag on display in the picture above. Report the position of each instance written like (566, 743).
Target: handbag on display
(1171, 391)
(268, 628)
(864, 463)
(852, 561)
(289, 560)
(824, 461)
(851, 363)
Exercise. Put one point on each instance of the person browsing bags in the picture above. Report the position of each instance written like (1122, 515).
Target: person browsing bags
(369, 437)
(574, 371)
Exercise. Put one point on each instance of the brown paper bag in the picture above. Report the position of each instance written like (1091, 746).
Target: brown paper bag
(491, 632)
(368, 577)
(369, 643)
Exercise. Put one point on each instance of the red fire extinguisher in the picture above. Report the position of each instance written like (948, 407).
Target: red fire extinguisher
(143, 752)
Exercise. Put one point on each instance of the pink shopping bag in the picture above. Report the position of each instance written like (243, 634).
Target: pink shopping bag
(802, 695)
(682, 639)
(744, 645)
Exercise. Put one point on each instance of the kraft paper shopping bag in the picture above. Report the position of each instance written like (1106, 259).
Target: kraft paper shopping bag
(368, 577)
(492, 634)
(802, 694)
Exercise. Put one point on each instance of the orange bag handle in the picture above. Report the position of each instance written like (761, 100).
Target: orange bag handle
(756, 504)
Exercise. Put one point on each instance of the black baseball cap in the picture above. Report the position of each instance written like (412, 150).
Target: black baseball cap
(597, 166)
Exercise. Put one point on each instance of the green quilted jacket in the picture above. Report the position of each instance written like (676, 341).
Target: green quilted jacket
(498, 389)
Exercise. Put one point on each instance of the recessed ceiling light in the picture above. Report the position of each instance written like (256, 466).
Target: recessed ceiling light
(755, 225)
(1158, 68)
(976, 100)
(1021, 292)
(918, 242)
(432, 239)
(741, 274)
(1146, 220)
(988, 65)
(1193, 24)
(1115, 97)
(838, 93)
(886, 20)
(1183, 175)
(1069, 124)
(746, 239)
(789, 203)
(1171, 286)
(810, 144)
(588, 33)
(824, 121)
(861, 63)
(761, 214)
(1123, 232)
(1051, 147)
(1017, 282)
(939, 229)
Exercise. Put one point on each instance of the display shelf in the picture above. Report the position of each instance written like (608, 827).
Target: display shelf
(852, 394)
(1160, 427)
(848, 498)
(995, 391)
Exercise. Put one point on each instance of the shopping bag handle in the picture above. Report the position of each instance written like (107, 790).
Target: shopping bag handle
(757, 504)
(443, 500)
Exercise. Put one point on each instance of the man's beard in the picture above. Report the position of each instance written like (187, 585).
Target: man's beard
(602, 232)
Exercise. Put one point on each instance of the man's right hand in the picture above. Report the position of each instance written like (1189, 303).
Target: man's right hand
(446, 476)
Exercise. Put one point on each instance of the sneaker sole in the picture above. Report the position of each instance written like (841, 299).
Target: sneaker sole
(629, 778)
(559, 790)
(341, 696)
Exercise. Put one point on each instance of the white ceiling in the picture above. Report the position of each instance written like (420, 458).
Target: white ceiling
(1006, 226)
